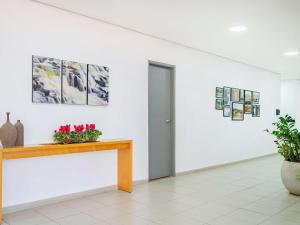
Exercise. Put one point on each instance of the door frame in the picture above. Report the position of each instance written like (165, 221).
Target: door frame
(173, 116)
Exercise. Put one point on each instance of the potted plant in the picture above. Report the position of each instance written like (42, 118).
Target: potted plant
(288, 143)
(80, 134)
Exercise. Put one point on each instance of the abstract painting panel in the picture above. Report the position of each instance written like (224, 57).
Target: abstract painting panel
(98, 85)
(74, 83)
(237, 111)
(46, 80)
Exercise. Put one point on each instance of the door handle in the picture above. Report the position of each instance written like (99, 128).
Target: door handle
(168, 121)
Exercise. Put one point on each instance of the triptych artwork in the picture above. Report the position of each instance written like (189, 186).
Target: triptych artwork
(60, 81)
(236, 102)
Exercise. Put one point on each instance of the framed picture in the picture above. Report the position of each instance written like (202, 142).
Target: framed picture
(235, 95)
(256, 110)
(237, 113)
(98, 85)
(242, 95)
(46, 80)
(248, 96)
(255, 97)
(219, 92)
(219, 104)
(248, 108)
(226, 111)
(226, 95)
(74, 83)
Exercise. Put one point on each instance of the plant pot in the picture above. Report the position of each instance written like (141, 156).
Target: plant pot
(290, 176)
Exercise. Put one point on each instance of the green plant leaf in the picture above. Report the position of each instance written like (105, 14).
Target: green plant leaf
(287, 138)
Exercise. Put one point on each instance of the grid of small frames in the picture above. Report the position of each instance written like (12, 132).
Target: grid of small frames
(236, 103)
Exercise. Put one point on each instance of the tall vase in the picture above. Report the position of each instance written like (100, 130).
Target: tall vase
(8, 134)
(20, 134)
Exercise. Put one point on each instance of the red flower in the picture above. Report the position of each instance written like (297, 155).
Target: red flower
(65, 129)
(79, 128)
(92, 126)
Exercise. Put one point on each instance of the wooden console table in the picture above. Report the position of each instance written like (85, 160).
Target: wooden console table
(124, 148)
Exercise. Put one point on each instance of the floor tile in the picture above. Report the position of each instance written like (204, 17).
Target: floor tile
(224, 220)
(278, 221)
(78, 219)
(56, 211)
(27, 217)
(202, 214)
(248, 182)
(189, 201)
(109, 199)
(82, 204)
(155, 214)
(129, 220)
(106, 213)
(263, 209)
(290, 216)
(295, 207)
(219, 208)
(179, 220)
(129, 207)
(248, 216)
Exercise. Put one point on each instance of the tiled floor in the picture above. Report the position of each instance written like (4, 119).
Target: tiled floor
(242, 194)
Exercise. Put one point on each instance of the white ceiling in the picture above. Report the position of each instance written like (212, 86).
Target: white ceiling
(273, 26)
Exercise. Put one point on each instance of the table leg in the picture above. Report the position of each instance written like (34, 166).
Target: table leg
(1, 154)
(125, 169)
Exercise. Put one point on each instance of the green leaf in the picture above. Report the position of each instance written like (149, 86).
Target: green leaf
(287, 138)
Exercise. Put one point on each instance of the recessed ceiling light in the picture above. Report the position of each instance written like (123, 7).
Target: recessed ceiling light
(291, 53)
(237, 29)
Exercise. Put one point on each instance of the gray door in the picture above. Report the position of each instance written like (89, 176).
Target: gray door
(160, 122)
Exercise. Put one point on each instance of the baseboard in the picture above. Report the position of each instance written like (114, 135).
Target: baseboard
(30, 205)
(224, 164)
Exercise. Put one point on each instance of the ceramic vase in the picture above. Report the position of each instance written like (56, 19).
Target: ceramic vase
(20, 134)
(8, 134)
(290, 176)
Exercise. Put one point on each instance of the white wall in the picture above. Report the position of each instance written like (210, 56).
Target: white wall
(203, 136)
(290, 92)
